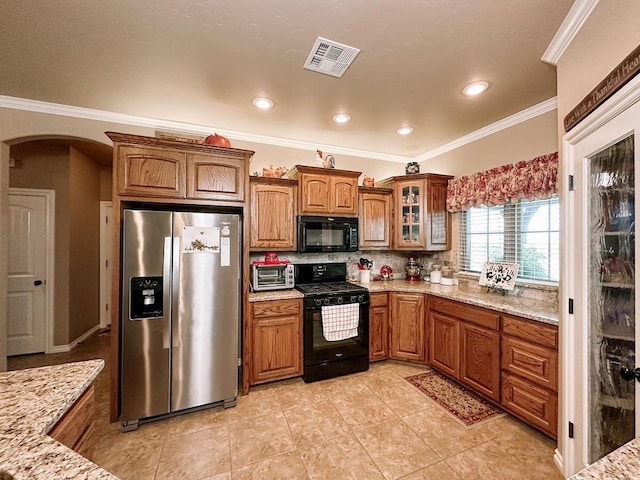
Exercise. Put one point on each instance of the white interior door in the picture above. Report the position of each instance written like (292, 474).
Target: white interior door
(27, 285)
(106, 239)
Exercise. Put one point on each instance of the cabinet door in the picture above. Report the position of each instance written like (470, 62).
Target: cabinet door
(153, 172)
(533, 404)
(438, 220)
(314, 197)
(210, 177)
(409, 232)
(480, 360)
(378, 327)
(344, 196)
(444, 344)
(407, 336)
(277, 349)
(374, 220)
(273, 217)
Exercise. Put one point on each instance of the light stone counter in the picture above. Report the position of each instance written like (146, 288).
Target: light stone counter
(31, 402)
(510, 304)
(623, 463)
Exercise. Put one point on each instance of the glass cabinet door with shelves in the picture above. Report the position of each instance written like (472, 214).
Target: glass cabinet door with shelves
(411, 232)
(601, 373)
(612, 297)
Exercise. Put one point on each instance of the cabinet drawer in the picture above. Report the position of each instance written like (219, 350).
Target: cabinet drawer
(469, 313)
(75, 421)
(276, 308)
(533, 404)
(378, 299)
(537, 364)
(535, 332)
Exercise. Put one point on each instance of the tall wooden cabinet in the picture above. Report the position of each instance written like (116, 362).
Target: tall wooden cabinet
(324, 191)
(421, 220)
(273, 214)
(407, 327)
(150, 170)
(375, 218)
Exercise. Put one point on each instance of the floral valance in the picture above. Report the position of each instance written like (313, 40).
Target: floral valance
(528, 179)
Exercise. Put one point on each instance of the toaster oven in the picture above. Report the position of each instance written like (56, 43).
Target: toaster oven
(266, 276)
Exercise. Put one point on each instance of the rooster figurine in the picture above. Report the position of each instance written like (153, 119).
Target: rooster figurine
(325, 162)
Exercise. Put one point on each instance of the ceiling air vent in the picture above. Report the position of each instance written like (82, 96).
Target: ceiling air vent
(329, 57)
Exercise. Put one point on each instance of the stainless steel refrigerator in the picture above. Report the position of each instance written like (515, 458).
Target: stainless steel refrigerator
(180, 312)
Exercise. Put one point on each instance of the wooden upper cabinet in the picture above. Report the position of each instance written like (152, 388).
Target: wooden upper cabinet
(374, 219)
(273, 214)
(151, 171)
(325, 191)
(213, 177)
(159, 168)
(421, 220)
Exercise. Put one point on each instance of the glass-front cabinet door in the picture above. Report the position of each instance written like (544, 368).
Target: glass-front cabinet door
(410, 202)
(597, 324)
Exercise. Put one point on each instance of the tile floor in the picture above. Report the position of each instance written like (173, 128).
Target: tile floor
(372, 425)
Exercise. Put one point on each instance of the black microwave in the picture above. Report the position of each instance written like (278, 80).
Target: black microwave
(327, 234)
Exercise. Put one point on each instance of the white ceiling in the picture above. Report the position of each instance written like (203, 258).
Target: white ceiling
(202, 62)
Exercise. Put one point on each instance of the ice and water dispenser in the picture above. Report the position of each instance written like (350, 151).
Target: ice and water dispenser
(145, 298)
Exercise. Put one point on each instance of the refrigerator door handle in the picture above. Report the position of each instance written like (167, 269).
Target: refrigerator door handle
(175, 295)
(166, 299)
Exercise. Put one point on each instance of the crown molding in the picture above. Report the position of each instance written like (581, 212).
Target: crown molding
(515, 119)
(182, 127)
(193, 129)
(577, 16)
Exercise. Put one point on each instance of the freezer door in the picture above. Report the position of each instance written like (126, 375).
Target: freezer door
(206, 309)
(145, 314)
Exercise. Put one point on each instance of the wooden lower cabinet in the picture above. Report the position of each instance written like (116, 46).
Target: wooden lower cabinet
(536, 406)
(378, 327)
(480, 360)
(465, 351)
(407, 327)
(276, 350)
(530, 372)
(444, 344)
(75, 428)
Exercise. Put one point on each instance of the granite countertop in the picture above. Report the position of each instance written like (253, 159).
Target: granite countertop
(31, 402)
(621, 463)
(527, 308)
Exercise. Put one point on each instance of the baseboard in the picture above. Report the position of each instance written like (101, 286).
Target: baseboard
(559, 461)
(74, 344)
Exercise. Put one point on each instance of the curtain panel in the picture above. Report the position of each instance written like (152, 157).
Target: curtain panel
(530, 179)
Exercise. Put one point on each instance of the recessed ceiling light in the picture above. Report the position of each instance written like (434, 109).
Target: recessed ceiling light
(263, 103)
(475, 88)
(341, 117)
(404, 130)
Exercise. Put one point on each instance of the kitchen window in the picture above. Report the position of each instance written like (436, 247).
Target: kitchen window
(526, 232)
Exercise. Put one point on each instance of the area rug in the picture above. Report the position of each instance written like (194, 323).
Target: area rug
(464, 405)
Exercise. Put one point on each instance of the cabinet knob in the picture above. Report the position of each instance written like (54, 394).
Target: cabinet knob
(629, 374)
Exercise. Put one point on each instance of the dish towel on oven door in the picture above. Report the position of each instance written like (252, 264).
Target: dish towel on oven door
(340, 322)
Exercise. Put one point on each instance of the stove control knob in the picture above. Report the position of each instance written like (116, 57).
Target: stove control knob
(326, 301)
(353, 299)
(360, 298)
(318, 301)
(340, 299)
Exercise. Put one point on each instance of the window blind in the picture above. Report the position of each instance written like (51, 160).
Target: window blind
(526, 232)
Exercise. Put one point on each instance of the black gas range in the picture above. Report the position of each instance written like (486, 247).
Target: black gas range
(336, 321)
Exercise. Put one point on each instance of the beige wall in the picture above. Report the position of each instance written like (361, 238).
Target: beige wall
(47, 167)
(84, 244)
(105, 183)
(527, 140)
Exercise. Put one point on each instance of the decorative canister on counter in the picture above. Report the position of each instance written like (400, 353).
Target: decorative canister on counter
(436, 274)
